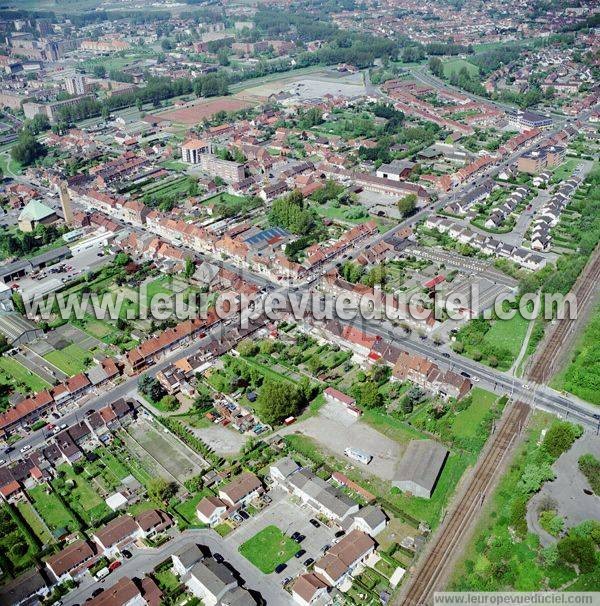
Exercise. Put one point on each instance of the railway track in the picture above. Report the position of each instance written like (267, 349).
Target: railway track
(584, 290)
(427, 579)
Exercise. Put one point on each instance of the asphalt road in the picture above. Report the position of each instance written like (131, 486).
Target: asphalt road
(128, 386)
(144, 561)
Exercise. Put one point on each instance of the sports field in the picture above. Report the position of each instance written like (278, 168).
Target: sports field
(204, 109)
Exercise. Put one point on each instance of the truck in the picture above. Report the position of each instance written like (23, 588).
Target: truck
(358, 455)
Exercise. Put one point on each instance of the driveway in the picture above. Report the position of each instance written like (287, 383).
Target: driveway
(143, 561)
(336, 430)
(289, 517)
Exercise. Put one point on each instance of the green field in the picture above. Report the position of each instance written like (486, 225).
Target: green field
(187, 509)
(467, 422)
(14, 373)
(581, 377)
(70, 359)
(82, 497)
(269, 548)
(51, 509)
(455, 65)
(565, 170)
(38, 528)
(509, 334)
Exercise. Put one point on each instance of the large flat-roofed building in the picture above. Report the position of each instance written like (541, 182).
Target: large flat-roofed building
(527, 120)
(536, 160)
(229, 171)
(420, 468)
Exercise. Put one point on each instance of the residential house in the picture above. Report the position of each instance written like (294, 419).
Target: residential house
(340, 562)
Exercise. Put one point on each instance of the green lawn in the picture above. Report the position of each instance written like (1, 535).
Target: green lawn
(564, 170)
(12, 371)
(269, 548)
(467, 422)
(455, 65)
(51, 509)
(187, 509)
(508, 333)
(82, 497)
(70, 359)
(38, 528)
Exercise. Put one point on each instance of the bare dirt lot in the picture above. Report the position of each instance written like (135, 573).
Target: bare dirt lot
(198, 111)
(336, 430)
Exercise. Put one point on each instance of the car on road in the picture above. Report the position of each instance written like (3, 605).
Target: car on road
(280, 568)
(475, 379)
(2, 461)
(9, 449)
(218, 558)
(26, 448)
(315, 523)
(446, 354)
(309, 561)
(63, 426)
(465, 374)
(300, 553)
(97, 592)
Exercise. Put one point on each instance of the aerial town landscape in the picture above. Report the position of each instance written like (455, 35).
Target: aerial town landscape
(299, 302)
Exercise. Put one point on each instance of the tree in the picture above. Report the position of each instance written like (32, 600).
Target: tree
(560, 437)
(160, 490)
(436, 67)
(407, 205)
(169, 403)
(27, 149)
(579, 551)
(189, 268)
(534, 476)
(278, 400)
(367, 395)
(247, 348)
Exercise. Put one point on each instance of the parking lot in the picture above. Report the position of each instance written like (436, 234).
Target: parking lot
(336, 430)
(289, 518)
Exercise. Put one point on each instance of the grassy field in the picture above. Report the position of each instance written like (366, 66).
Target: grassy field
(581, 376)
(51, 509)
(187, 509)
(565, 170)
(269, 548)
(70, 359)
(14, 373)
(467, 422)
(38, 528)
(455, 65)
(82, 496)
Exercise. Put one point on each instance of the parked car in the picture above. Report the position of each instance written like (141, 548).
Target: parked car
(114, 565)
(315, 523)
(280, 568)
(218, 558)
(300, 553)
(309, 561)
(126, 554)
(339, 533)
(299, 538)
(294, 536)
(97, 592)
(26, 448)
(244, 514)
(286, 581)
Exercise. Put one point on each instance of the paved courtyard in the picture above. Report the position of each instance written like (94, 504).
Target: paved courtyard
(336, 430)
(289, 518)
(567, 490)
